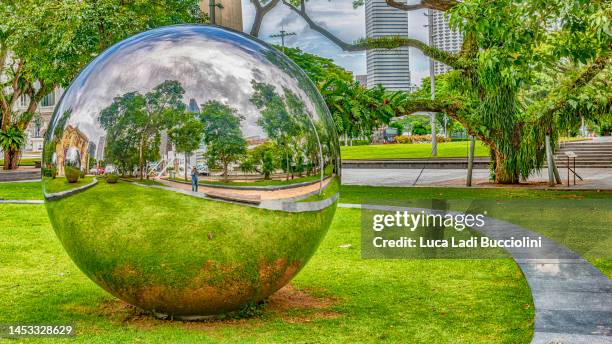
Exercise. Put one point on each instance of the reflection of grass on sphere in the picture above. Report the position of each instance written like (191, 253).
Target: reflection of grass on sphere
(149, 244)
(331, 189)
(60, 184)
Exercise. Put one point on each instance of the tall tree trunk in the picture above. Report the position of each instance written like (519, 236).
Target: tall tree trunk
(185, 165)
(225, 176)
(504, 172)
(141, 157)
(11, 159)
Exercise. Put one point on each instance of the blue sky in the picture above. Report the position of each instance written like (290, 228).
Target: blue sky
(344, 21)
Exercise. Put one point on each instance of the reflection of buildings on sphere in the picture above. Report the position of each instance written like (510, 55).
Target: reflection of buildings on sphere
(72, 138)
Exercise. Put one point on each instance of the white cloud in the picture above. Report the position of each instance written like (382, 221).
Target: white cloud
(339, 17)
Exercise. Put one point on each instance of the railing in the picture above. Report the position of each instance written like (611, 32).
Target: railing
(572, 168)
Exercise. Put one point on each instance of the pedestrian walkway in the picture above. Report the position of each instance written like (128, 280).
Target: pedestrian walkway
(594, 178)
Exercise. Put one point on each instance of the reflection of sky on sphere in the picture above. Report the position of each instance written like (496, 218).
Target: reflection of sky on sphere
(210, 63)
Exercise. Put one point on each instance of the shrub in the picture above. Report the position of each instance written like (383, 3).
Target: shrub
(420, 139)
(112, 178)
(360, 142)
(72, 174)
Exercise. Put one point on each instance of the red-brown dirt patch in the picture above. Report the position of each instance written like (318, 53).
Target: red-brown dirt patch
(291, 304)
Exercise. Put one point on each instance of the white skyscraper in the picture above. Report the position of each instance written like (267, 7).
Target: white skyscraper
(444, 38)
(391, 68)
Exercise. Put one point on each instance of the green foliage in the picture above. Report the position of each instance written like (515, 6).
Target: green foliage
(188, 134)
(290, 126)
(44, 44)
(356, 111)
(421, 139)
(262, 159)
(134, 123)
(222, 134)
(398, 126)
(13, 138)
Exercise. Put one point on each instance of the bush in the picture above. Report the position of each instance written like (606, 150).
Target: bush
(72, 174)
(361, 142)
(112, 178)
(420, 139)
(605, 129)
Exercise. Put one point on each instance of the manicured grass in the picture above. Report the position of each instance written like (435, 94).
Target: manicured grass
(23, 162)
(21, 191)
(411, 151)
(394, 301)
(60, 184)
(366, 194)
(143, 182)
(574, 139)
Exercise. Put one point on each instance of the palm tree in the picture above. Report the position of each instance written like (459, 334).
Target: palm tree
(12, 140)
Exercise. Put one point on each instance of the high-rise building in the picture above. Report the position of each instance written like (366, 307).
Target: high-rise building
(228, 13)
(444, 38)
(388, 67)
(362, 79)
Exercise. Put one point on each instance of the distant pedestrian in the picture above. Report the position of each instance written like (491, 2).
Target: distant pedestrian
(194, 179)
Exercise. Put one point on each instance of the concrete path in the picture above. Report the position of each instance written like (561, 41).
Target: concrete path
(266, 195)
(573, 300)
(594, 178)
(17, 201)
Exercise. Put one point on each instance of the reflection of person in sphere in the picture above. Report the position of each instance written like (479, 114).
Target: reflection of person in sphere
(194, 179)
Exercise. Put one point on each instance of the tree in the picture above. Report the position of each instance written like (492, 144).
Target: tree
(356, 111)
(187, 135)
(261, 159)
(276, 120)
(222, 135)
(44, 44)
(12, 140)
(134, 124)
(506, 43)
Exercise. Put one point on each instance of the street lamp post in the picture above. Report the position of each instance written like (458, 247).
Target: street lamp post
(212, 11)
(432, 79)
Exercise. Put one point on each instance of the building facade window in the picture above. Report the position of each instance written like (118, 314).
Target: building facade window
(23, 100)
(48, 100)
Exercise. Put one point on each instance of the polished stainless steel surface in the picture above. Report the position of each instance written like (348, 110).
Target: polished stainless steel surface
(177, 107)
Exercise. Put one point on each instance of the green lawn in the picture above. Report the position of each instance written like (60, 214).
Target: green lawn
(579, 220)
(364, 301)
(23, 162)
(20, 191)
(60, 184)
(411, 151)
(413, 301)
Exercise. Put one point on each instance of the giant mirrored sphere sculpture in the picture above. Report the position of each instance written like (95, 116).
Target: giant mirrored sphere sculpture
(229, 169)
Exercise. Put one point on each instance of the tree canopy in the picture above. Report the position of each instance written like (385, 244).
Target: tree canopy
(44, 44)
(508, 46)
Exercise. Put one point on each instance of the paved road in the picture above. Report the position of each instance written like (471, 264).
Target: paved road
(573, 300)
(595, 178)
